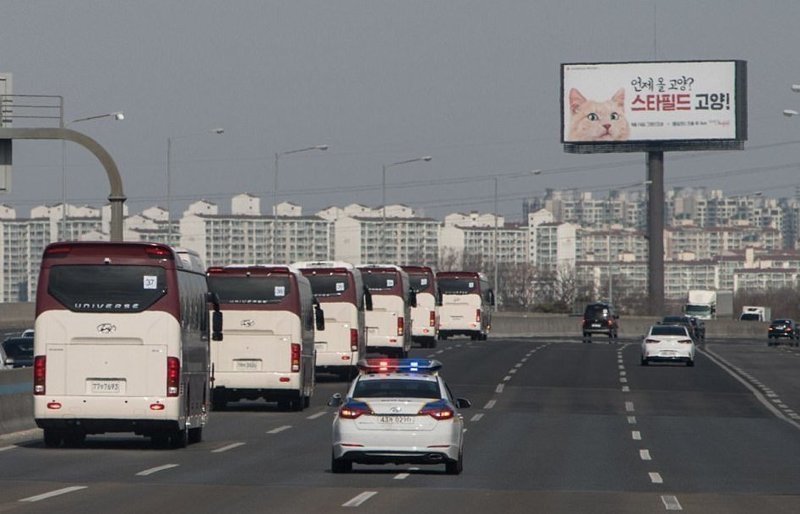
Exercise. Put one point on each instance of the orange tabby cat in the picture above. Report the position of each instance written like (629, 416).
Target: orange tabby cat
(597, 121)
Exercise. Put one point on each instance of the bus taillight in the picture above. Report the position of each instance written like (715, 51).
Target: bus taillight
(432, 318)
(39, 373)
(173, 376)
(401, 326)
(295, 357)
(478, 316)
(353, 340)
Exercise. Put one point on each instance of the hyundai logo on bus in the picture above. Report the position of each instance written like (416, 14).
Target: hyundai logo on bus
(248, 322)
(106, 328)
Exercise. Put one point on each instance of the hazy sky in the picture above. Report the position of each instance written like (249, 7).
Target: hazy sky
(474, 84)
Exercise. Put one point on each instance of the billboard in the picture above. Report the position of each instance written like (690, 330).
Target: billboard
(653, 106)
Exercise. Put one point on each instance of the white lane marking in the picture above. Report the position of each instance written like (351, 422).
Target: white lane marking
(512, 371)
(621, 366)
(524, 360)
(51, 494)
(518, 365)
(489, 404)
(229, 447)
(439, 352)
(636, 435)
(626, 389)
(402, 476)
(279, 429)
(623, 380)
(156, 470)
(631, 420)
(499, 388)
(645, 455)
(476, 417)
(6, 448)
(726, 366)
(671, 503)
(506, 378)
(361, 498)
(623, 373)
(656, 478)
(317, 415)
(629, 407)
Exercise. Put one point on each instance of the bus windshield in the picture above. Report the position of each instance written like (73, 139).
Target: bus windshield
(328, 285)
(107, 288)
(252, 289)
(458, 285)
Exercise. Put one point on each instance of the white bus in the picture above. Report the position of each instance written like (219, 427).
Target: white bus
(466, 304)
(268, 351)
(121, 343)
(425, 316)
(389, 321)
(339, 288)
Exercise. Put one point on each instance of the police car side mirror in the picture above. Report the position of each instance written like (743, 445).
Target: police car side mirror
(463, 403)
(335, 400)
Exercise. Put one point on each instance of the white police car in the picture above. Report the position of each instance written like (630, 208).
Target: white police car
(398, 411)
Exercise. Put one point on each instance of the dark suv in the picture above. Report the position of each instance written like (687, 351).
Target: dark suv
(600, 318)
(782, 328)
(697, 329)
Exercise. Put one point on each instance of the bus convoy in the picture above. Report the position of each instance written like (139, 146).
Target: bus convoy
(129, 337)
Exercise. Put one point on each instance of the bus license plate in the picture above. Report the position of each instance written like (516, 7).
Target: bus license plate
(105, 386)
(247, 365)
(396, 420)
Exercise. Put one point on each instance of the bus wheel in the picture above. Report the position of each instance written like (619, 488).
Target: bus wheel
(218, 400)
(74, 438)
(195, 435)
(179, 438)
(52, 438)
(159, 439)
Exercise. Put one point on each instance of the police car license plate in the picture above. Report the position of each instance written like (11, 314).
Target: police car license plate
(396, 420)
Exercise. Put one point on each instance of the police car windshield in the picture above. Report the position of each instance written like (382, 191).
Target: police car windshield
(397, 388)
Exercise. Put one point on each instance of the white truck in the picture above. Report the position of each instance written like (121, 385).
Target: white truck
(755, 313)
(709, 304)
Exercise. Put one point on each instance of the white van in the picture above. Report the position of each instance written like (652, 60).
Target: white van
(389, 321)
(121, 343)
(425, 316)
(268, 347)
(466, 304)
(340, 290)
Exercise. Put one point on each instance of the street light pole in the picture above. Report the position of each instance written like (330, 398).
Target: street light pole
(275, 192)
(117, 115)
(385, 167)
(217, 131)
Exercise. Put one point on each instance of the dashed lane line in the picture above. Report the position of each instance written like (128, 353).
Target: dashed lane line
(476, 417)
(629, 407)
(51, 494)
(645, 455)
(359, 499)
(317, 415)
(156, 469)
(499, 388)
(279, 429)
(656, 478)
(6, 448)
(631, 420)
(489, 404)
(671, 503)
(228, 447)
(636, 435)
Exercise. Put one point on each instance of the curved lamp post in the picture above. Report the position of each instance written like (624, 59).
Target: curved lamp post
(385, 167)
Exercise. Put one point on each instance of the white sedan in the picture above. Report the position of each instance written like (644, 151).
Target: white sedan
(668, 343)
(398, 411)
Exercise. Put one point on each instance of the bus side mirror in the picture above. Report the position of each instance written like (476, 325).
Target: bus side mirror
(439, 297)
(216, 316)
(412, 298)
(491, 298)
(216, 326)
(367, 299)
(319, 316)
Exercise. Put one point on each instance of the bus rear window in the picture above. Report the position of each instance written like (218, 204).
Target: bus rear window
(107, 288)
(252, 289)
(421, 282)
(378, 281)
(328, 285)
(458, 285)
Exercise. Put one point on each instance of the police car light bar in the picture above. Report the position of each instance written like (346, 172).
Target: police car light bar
(377, 365)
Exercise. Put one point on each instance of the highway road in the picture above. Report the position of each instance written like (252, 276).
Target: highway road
(555, 426)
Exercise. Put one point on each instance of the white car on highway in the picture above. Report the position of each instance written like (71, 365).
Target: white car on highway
(398, 411)
(668, 343)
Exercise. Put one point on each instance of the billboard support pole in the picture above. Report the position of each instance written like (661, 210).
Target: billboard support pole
(655, 232)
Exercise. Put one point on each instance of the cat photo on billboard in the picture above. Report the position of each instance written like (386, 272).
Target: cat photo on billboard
(594, 120)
